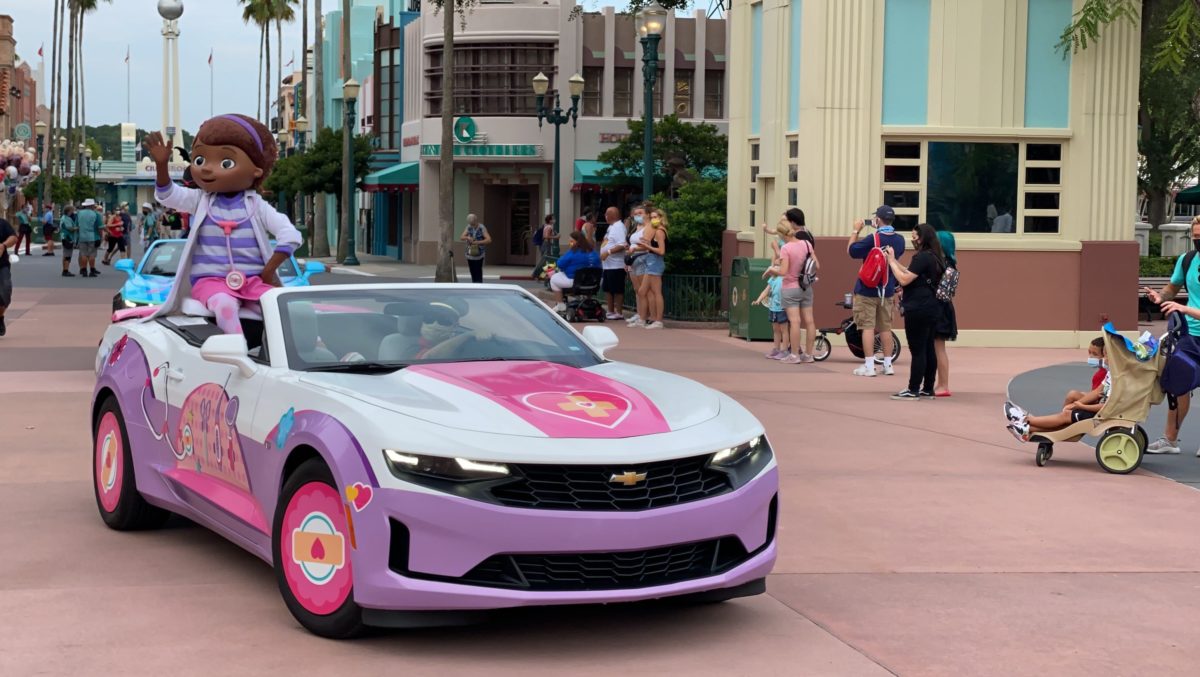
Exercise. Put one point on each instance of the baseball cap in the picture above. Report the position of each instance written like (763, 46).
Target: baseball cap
(146, 205)
(886, 213)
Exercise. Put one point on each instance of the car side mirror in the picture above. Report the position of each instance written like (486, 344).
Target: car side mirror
(313, 268)
(602, 339)
(229, 349)
(125, 265)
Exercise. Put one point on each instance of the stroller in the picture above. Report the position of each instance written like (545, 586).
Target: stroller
(581, 299)
(1135, 388)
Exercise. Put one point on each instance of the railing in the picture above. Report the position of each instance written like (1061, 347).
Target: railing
(688, 298)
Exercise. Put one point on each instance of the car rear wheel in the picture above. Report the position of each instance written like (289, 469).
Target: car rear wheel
(121, 506)
(311, 551)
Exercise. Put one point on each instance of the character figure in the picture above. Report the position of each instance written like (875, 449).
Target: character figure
(228, 263)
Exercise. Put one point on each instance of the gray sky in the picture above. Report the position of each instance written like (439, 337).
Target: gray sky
(206, 24)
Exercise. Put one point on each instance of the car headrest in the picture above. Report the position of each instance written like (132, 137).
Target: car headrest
(304, 325)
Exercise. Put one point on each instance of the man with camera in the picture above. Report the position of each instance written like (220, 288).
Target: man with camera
(875, 288)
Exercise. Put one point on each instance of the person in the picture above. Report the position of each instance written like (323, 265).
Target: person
(114, 232)
(441, 332)
(653, 246)
(126, 228)
(588, 227)
(635, 264)
(873, 307)
(1190, 280)
(921, 310)
(545, 246)
(149, 226)
(48, 230)
(1022, 425)
(24, 228)
(772, 298)
(1095, 359)
(170, 225)
(477, 237)
(229, 263)
(88, 225)
(797, 300)
(70, 232)
(8, 240)
(947, 323)
(612, 257)
(580, 254)
(1003, 222)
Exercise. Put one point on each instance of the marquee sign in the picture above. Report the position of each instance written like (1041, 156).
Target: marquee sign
(493, 150)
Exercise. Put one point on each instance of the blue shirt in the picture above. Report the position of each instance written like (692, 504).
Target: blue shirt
(860, 249)
(1193, 287)
(574, 259)
(48, 217)
(775, 298)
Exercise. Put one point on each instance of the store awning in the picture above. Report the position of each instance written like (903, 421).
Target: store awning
(1189, 196)
(399, 177)
(588, 176)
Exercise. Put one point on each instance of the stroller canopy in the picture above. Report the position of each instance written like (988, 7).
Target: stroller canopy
(1134, 368)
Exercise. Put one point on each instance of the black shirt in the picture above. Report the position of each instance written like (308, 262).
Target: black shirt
(6, 231)
(919, 294)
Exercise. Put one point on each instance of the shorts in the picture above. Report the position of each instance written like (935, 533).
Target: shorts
(778, 317)
(637, 267)
(654, 265)
(1079, 415)
(873, 312)
(68, 247)
(560, 282)
(48, 232)
(5, 286)
(612, 281)
(797, 298)
(87, 248)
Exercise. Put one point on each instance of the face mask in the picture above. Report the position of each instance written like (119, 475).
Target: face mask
(1196, 244)
(436, 333)
(1094, 362)
(637, 218)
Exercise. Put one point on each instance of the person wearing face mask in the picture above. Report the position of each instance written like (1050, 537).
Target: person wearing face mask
(441, 334)
(1096, 361)
(1185, 277)
(921, 310)
(635, 262)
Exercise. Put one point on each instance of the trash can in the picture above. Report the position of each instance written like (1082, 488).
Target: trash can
(745, 284)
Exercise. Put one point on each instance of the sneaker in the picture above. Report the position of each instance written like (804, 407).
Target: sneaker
(561, 307)
(3, 329)
(1163, 446)
(864, 371)
(906, 394)
(775, 354)
(634, 318)
(654, 325)
(614, 316)
(67, 273)
(1019, 430)
(927, 395)
(637, 324)
(791, 358)
(888, 370)
(47, 253)
(1014, 413)
(805, 358)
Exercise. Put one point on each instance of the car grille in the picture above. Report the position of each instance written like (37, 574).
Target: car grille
(590, 487)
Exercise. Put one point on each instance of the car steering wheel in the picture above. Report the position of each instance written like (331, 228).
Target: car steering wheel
(452, 344)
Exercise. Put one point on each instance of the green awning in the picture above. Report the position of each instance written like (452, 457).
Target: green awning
(588, 171)
(398, 177)
(1191, 196)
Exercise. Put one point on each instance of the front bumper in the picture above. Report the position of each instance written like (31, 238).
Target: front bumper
(449, 536)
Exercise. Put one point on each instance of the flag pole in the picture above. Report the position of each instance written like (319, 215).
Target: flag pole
(210, 83)
(128, 89)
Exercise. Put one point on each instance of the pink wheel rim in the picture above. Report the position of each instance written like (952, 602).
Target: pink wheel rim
(314, 551)
(110, 461)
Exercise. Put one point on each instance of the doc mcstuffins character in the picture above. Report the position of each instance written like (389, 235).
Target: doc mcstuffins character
(228, 262)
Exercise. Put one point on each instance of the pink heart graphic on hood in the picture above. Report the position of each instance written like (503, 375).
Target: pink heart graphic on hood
(603, 409)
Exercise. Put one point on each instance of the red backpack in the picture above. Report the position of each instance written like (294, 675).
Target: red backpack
(874, 270)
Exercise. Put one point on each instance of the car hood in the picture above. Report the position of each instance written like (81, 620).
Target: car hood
(534, 399)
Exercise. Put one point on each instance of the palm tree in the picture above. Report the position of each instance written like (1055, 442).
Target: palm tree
(444, 269)
(73, 16)
(258, 12)
(55, 84)
(281, 11)
(320, 236)
(85, 7)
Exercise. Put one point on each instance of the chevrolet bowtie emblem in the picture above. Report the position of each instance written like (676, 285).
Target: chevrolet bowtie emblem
(628, 478)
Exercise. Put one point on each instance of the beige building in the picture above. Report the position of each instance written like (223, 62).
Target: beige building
(960, 113)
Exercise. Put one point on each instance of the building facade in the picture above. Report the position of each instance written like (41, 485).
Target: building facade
(503, 158)
(959, 113)
(18, 87)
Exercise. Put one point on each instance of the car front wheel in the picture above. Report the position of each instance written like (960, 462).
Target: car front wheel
(311, 552)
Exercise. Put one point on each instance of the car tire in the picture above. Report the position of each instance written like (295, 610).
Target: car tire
(121, 506)
(311, 554)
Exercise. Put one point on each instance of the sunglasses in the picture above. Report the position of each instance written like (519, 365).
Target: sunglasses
(444, 319)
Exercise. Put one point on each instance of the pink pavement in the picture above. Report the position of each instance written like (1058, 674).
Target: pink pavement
(916, 538)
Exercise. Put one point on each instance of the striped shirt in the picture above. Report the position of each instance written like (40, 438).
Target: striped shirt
(210, 256)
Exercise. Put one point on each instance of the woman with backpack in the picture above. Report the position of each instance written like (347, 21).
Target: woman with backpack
(921, 309)
(798, 265)
(947, 325)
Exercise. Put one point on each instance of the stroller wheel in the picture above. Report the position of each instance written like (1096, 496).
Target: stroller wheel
(1119, 451)
(821, 349)
(1143, 439)
(1044, 451)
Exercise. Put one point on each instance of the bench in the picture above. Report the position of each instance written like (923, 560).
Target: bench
(1145, 305)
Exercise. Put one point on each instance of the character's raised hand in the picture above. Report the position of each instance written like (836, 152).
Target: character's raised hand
(157, 148)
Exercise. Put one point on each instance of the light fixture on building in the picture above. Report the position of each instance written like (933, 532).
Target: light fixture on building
(541, 84)
(350, 89)
(350, 97)
(651, 23)
(557, 117)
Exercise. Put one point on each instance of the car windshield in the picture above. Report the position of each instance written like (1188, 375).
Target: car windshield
(163, 259)
(375, 330)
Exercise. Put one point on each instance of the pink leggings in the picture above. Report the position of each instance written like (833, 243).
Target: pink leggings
(225, 307)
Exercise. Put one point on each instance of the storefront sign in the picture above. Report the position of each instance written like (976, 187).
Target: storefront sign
(464, 130)
(411, 141)
(613, 137)
(498, 150)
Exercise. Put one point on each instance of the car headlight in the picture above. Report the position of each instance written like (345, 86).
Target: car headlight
(733, 456)
(403, 463)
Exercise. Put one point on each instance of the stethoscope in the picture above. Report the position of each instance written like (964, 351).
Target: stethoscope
(189, 448)
(234, 279)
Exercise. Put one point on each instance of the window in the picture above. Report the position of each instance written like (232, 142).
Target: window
(659, 83)
(754, 152)
(714, 95)
(622, 92)
(490, 79)
(792, 198)
(683, 93)
(593, 79)
(794, 149)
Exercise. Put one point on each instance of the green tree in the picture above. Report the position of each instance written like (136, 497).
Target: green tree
(81, 187)
(682, 150)
(697, 218)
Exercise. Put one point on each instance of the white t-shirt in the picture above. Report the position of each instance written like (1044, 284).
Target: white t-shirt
(613, 238)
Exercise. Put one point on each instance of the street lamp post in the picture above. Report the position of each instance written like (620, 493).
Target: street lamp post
(40, 129)
(62, 156)
(87, 154)
(350, 96)
(79, 167)
(301, 129)
(284, 151)
(651, 22)
(557, 117)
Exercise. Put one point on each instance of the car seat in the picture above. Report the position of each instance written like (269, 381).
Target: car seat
(303, 320)
(581, 298)
(405, 342)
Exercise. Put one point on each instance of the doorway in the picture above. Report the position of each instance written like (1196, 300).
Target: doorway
(511, 213)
